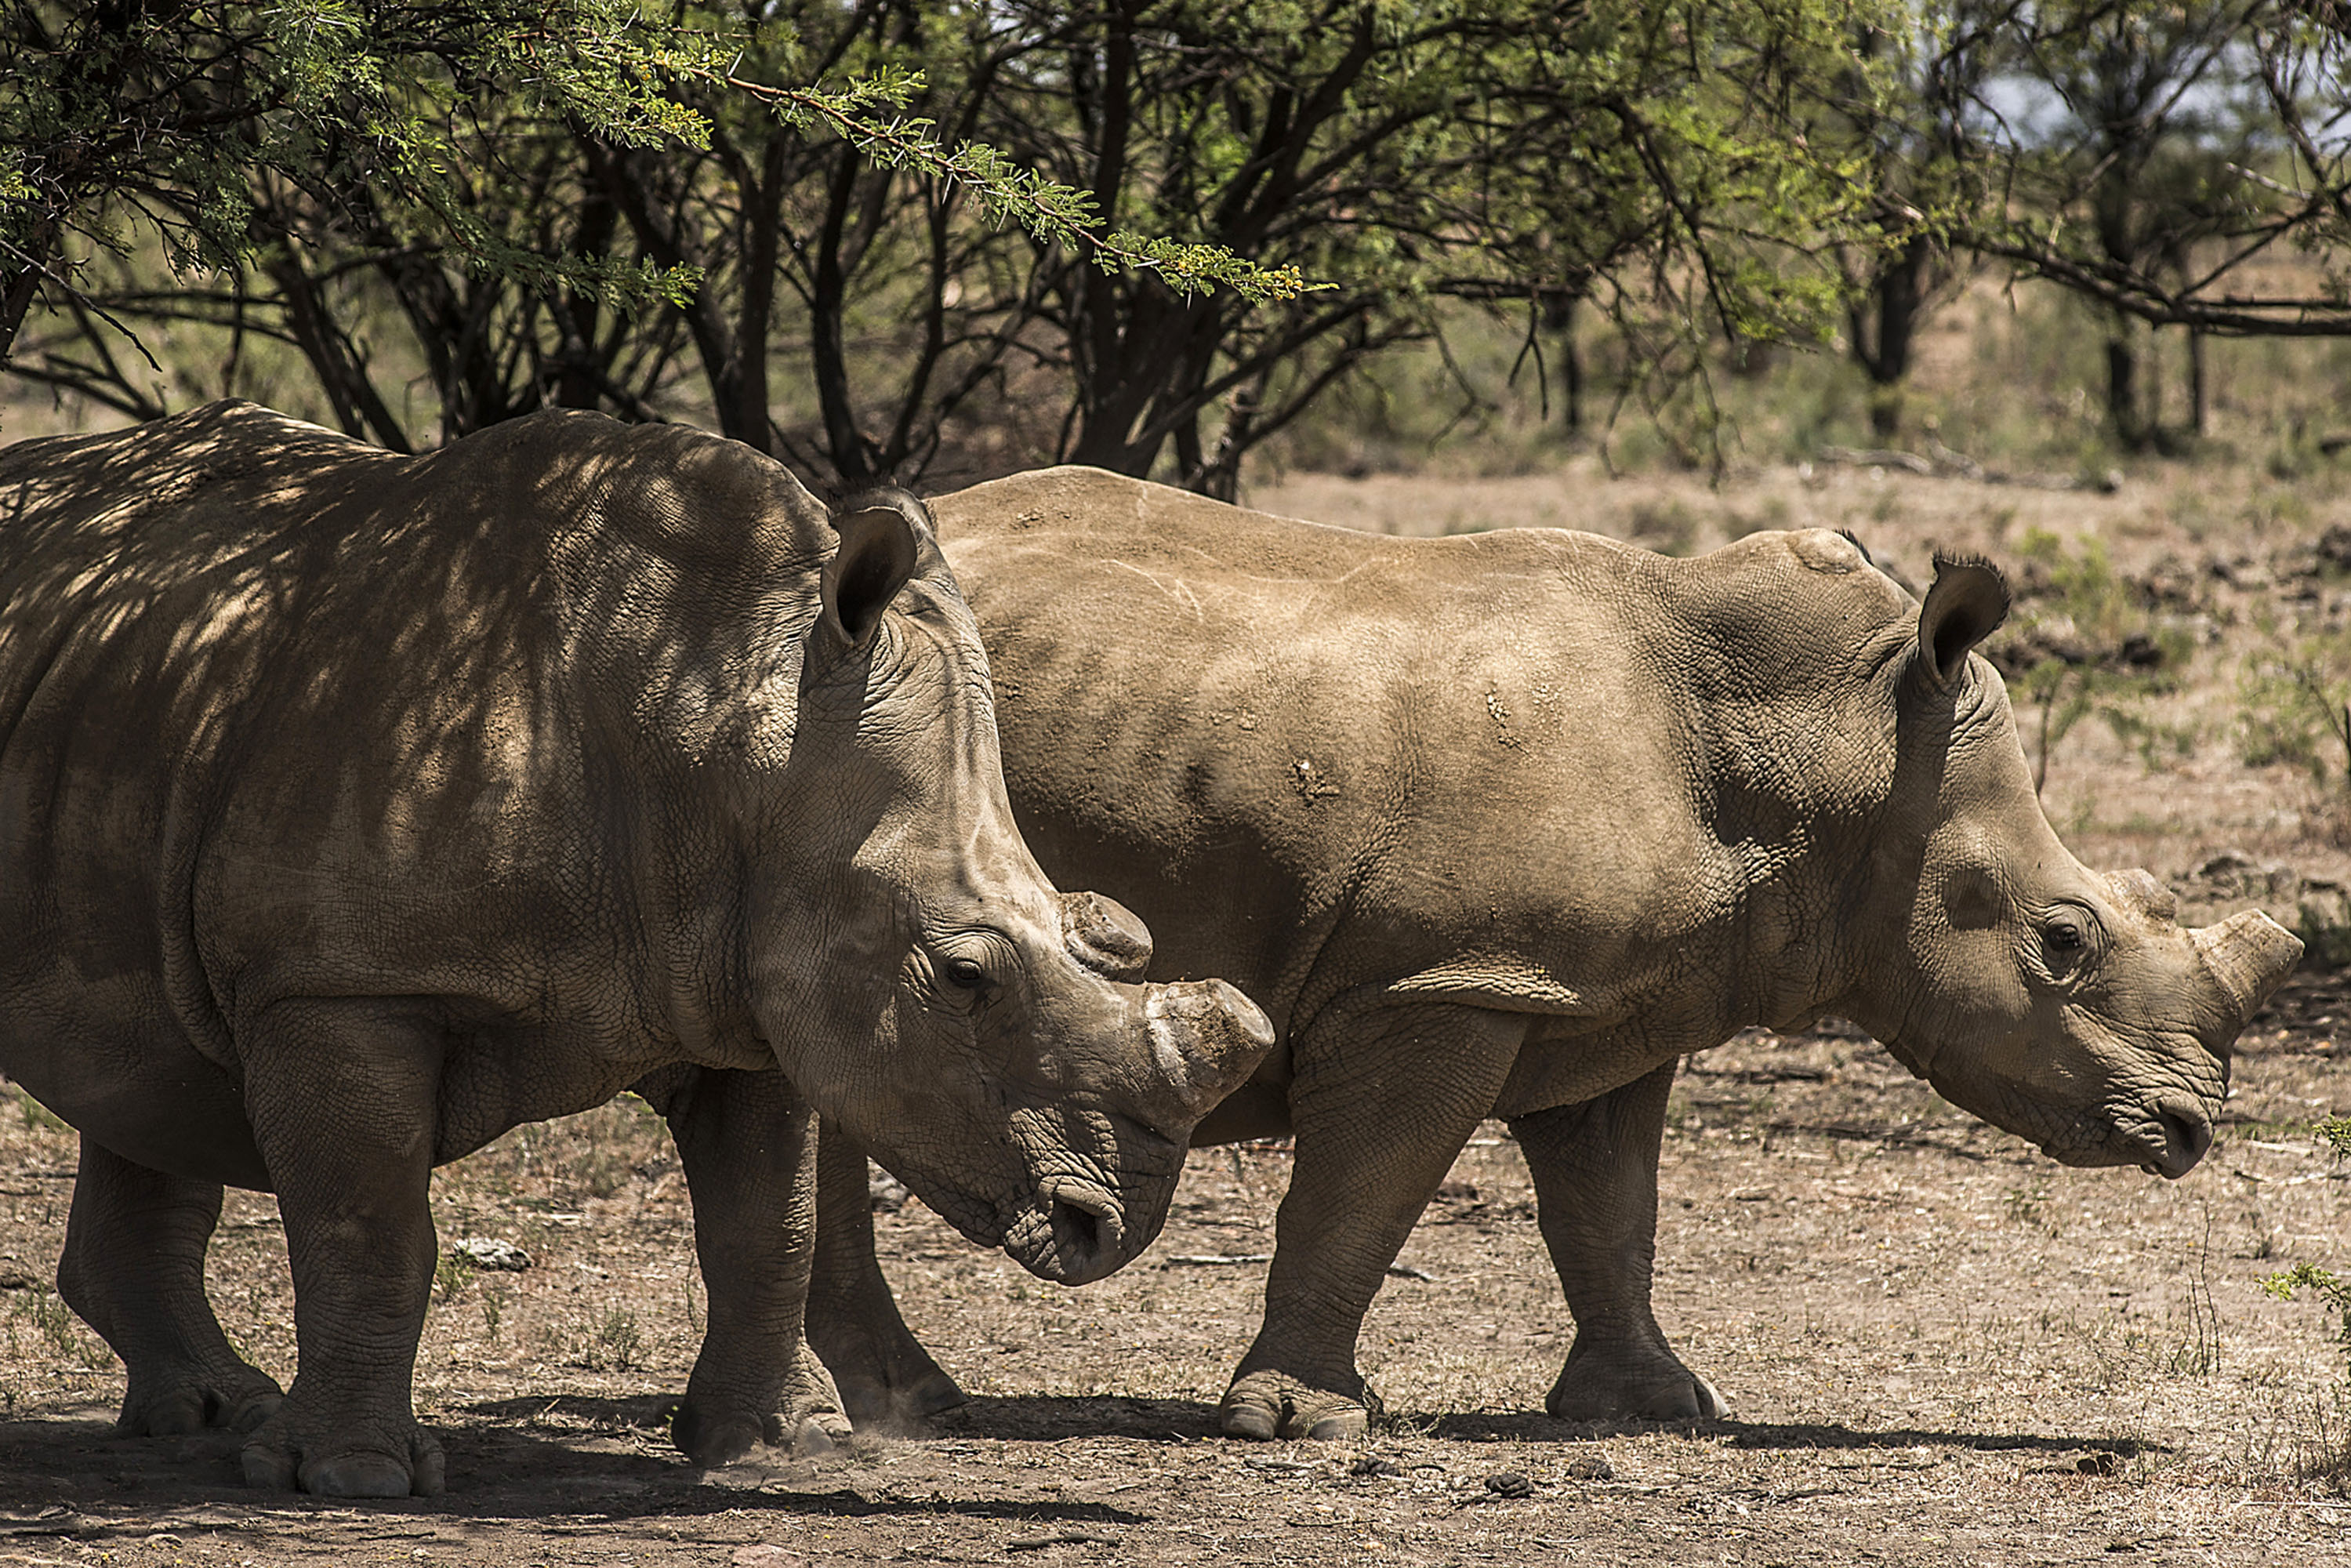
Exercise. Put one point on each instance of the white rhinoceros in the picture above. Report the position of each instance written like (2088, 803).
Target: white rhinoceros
(1504, 825)
(355, 808)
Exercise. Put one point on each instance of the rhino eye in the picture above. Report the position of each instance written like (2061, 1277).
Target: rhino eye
(963, 974)
(2064, 939)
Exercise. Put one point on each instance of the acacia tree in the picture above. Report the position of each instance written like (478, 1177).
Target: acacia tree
(2196, 146)
(1642, 155)
(1505, 151)
(132, 121)
(285, 168)
(1926, 152)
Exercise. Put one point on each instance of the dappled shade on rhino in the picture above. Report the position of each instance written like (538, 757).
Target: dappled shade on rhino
(355, 808)
(1503, 825)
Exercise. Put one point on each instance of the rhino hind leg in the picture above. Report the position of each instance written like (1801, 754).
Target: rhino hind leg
(1596, 1173)
(887, 1381)
(747, 1142)
(133, 1269)
(1373, 1147)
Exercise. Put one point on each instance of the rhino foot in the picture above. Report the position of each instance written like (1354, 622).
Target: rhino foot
(716, 1423)
(281, 1457)
(1596, 1386)
(876, 1404)
(888, 1382)
(711, 1440)
(193, 1400)
(1267, 1404)
(714, 1441)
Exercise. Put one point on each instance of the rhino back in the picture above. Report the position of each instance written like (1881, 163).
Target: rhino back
(289, 716)
(1527, 760)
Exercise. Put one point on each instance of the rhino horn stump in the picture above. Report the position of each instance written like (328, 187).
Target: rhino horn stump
(2249, 955)
(1205, 1039)
(1106, 936)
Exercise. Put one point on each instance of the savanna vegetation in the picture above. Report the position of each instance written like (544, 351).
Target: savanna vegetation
(906, 239)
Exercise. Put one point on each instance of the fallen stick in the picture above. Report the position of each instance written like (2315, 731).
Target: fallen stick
(1215, 1259)
(1069, 1535)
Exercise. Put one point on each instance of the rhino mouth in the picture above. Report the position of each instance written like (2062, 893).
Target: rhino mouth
(2179, 1137)
(1071, 1232)
(2168, 1138)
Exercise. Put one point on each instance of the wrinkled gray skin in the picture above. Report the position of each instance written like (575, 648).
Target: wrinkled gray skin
(1503, 825)
(355, 808)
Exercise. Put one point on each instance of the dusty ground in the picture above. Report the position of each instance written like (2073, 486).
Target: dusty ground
(1941, 1348)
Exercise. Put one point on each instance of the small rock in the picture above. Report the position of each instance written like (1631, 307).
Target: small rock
(1591, 1467)
(490, 1252)
(2228, 863)
(1372, 1467)
(2334, 548)
(1510, 1483)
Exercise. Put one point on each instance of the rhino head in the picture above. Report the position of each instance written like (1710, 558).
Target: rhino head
(2063, 1005)
(985, 1035)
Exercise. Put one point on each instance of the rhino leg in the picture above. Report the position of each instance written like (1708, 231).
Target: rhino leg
(134, 1269)
(1376, 1132)
(747, 1141)
(887, 1380)
(341, 1095)
(1596, 1173)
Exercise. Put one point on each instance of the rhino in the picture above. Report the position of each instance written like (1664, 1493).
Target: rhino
(1507, 824)
(355, 808)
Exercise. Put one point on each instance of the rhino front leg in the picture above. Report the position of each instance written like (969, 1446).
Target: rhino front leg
(747, 1141)
(1375, 1138)
(887, 1380)
(133, 1268)
(1596, 1172)
(342, 1098)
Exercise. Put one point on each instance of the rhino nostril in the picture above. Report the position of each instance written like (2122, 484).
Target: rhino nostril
(1076, 1232)
(2186, 1140)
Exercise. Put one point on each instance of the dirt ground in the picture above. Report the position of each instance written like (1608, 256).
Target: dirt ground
(1941, 1348)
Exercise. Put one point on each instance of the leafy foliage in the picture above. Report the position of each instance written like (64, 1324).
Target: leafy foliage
(125, 119)
(1143, 234)
(2191, 144)
(1028, 207)
(2294, 700)
(2332, 1289)
(2082, 646)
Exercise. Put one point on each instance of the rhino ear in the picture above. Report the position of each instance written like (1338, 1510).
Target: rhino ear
(1966, 605)
(878, 551)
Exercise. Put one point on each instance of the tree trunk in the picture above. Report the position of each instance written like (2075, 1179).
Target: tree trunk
(358, 409)
(15, 299)
(854, 454)
(2199, 394)
(579, 378)
(1883, 330)
(2122, 390)
(1560, 317)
